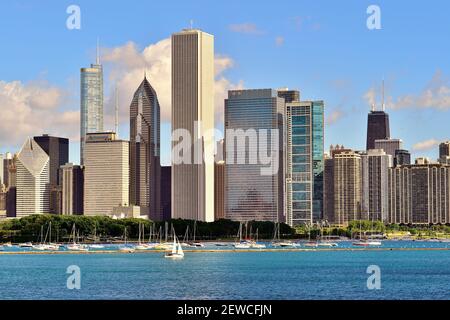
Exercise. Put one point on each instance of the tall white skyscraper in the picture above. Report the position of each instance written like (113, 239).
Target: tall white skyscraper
(193, 111)
(33, 180)
(91, 102)
(106, 173)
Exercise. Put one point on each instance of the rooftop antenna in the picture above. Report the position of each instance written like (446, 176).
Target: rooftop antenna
(192, 24)
(116, 120)
(97, 61)
(383, 106)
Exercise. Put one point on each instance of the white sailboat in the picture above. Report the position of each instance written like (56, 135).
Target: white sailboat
(177, 250)
(241, 244)
(142, 246)
(76, 246)
(255, 244)
(96, 245)
(126, 248)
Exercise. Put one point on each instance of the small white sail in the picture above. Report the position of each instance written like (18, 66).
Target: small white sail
(180, 250)
(174, 248)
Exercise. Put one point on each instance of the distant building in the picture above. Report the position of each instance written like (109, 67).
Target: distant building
(106, 173)
(389, 145)
(145, 167)
(305, 162)
(58, 150)
(289, 95)
(377, 128)
(250, 194)
(444, 152)
(343, 176)
(11, 199)
(193, 111)
(166, 191)
(33, 178)
(2, 173)
(375, 164)
(9, 170)
(219, 190)
(402, 157)
(91, 102)
(419, 194)
(3, 198)
(220, 151)
(72, 189)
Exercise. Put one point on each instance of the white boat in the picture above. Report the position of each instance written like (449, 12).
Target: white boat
(177, 250)
(7, 245)
(255, 244)
(286, 244)
(76, 246)
(327, 244)
(26, 245)
(96, 246)
(241, 244)
(374, 243)
(126, 248)
(141, 246)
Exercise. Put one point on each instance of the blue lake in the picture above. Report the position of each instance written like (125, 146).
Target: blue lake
(315, 274)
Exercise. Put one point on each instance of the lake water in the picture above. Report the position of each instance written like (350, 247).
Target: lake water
(315, 274)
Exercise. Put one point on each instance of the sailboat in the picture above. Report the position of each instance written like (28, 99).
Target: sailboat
(141, 245)
(162, 245)
(255, 244)
(276, 238)
(126, 248)
(96, 245)
(177, 250)
(241, 244)
(42, 246)
(76, 246)
(194, 243)
(327, 243)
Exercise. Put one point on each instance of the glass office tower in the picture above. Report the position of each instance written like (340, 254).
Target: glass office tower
(249, 194)
(305, 162)
(91, 103)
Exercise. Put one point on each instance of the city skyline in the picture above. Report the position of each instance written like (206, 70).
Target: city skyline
(405, 102)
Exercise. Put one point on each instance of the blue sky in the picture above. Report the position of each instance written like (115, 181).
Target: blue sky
(322, 48)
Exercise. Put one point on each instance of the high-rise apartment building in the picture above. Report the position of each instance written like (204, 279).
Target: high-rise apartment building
(390, 146)
(72, 189)
(32, 180)
(375, 166)
(145, 168)
(377, 128)
(2, 173)
(289, 95)
(402, 157)
(304, 162)
(91, 100)
(444, 152)
(193, 114)
(419, 194)
(254, 185)
(343, 175)
(106, 173)
(166, 192)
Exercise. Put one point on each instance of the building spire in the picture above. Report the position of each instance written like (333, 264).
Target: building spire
(383, 106)
(97, 60)
(116, 120)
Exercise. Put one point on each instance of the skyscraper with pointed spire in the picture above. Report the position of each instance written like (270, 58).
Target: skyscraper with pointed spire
(377, 124)
(91, 101)
(145, 168)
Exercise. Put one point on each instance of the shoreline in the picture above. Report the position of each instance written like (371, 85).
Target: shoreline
(218, 251)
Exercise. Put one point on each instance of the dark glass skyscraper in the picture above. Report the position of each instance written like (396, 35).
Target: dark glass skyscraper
(145, 168)
(58, 150)
(377, 128)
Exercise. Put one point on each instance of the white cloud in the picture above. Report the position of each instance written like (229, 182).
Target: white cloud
(425, 145)
(247, 28)
(435, 95)
(334, 116)
(126, 65)
(32, 109)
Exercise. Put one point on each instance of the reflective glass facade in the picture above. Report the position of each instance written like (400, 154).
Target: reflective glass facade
(305, 163)
(91, 103)
(250, 195)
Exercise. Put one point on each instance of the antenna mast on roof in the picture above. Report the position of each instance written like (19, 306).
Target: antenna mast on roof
(383, 106)
(116, 120)
(97, 60)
